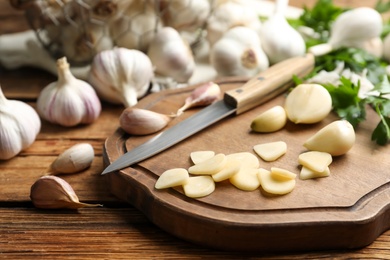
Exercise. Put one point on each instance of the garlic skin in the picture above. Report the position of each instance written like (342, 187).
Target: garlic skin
(238, 53)
(74, 159)
(121, 75)
(137, 121)
(171, 55)
(51, 192)
(19, 126)
(336, 138)
(68, 101)
(279, 39)
(351, 28)
(228, 14)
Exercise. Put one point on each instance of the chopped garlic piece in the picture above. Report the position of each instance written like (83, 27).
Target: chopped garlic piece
(171, 178)
(199, 186)
(200, 156)
(210, 166)
(246, 179)
(307, 173)
(271, 151)
(314, 160)
(275, 185)
(232, 167)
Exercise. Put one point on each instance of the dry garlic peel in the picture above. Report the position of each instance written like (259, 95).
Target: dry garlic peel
(270, 120)
(137, 121)
(200, 156)
(19, 126)
(68, 101)
(308, 104)
(51, 192)
(172, 178)
(270, 151)
(171, 55)
(314, 160)
(210, 166)
(231, 168)
(199, 186)
(307, 173)
(246, 179)
(274, 185)
(74, 159)
(121, 75)
(337, 138)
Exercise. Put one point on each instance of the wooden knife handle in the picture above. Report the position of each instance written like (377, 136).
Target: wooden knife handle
(269, 83)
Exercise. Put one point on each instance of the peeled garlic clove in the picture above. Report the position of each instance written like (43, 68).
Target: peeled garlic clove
(279, 39)
(19, 126)
(203, 95)
(171, 55)
(270, 120)
(68, 101)
(337, 138)
(238, 53)
(121, 75)
(137, 121)
(51, 192)
(308, 104)
(74, 159)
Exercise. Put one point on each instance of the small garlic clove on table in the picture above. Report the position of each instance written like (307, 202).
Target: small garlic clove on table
(51, 192)
(75, 159)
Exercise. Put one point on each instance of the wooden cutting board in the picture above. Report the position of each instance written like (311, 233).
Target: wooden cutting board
(348, 209)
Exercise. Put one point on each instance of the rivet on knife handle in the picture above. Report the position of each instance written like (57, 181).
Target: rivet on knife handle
(263, 87)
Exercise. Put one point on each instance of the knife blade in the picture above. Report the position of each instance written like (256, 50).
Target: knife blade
(261, 88)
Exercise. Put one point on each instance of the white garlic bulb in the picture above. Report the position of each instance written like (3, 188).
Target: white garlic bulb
(19, 126)
(121, 75)
(279, 39)
(238, 53)
(351, 29)
(171, 55)
(68, 101)
(226, 15)
(136, 27)
(185, 15)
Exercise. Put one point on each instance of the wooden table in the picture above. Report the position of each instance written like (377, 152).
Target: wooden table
(114, 231)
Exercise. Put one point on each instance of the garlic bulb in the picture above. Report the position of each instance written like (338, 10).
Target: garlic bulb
(68, 101)
(136, 27)
(171, 55)
(74, 159)
(185, 15)
(19, 126)
(138, 121)
(351, 28)
(279, 40)
(121, 75)
(51, 192)
(238, 53)
(228, 14)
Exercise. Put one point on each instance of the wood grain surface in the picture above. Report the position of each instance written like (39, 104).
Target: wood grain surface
(117, 230)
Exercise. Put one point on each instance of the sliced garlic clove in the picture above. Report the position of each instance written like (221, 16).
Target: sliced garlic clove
(337, 138)
(316, 161)
(210, 166)
(270, 120)
(172, 178)
(246, 159)
(282, 174)
(231, 168)
(274, 185)
(307, 173)
(200, 156)
(75, 159)
(199, 186)
(308, 104)
(271, 151)
(246, 179)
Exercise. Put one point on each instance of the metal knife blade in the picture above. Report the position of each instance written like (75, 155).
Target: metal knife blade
(263, 87)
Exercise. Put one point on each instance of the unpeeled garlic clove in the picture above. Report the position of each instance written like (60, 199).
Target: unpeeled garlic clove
(74, 159)
(51, 192)
(171, 55)
(337, 138)
(137, 121)
(203, 95)
(68, 101)
(308, 104)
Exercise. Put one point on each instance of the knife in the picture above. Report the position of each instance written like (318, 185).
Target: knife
(261, 88)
